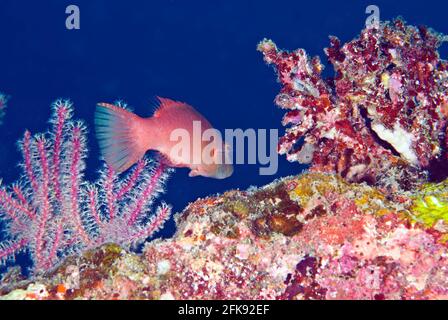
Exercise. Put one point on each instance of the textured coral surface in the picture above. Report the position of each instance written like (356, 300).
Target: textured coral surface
(384, 111)
(314, 236)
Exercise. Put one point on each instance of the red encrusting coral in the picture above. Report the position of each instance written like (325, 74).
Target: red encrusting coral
(52, 211)
(385, 108)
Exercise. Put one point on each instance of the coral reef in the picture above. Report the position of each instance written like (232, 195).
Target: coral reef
(3, 104)
(313, 236)
(383, 114)
(53, 211)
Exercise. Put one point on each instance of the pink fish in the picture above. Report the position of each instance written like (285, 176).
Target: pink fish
(124, 138)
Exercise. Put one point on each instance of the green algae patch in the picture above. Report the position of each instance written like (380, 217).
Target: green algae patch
(430, 205)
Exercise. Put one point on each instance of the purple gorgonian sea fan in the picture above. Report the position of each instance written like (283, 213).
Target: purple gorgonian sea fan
(52, 212)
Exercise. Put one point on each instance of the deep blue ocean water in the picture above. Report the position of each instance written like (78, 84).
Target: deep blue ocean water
(200, 52)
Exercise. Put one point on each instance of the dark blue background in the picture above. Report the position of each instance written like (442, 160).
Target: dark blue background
(201, 52)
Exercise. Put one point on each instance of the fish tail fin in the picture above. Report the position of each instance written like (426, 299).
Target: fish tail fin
(119, 136)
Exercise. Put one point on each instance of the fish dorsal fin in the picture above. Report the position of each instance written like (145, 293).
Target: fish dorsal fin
(164, 104)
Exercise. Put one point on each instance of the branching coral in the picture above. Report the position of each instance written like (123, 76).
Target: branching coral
(52, 211)
(386, 107)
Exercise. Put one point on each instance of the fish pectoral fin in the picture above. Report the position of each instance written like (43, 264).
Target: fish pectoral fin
(166, 160)
(194, 173)
(170, 162)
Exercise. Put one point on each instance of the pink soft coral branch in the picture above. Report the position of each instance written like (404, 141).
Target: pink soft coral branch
(146, 194)
(8, 250)
(110, 196)
(44, 213)
(62, 113)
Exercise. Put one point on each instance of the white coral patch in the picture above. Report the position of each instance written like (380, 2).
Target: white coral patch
(399, 138)
(305, 155)
(167, 296)
(163, 267)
